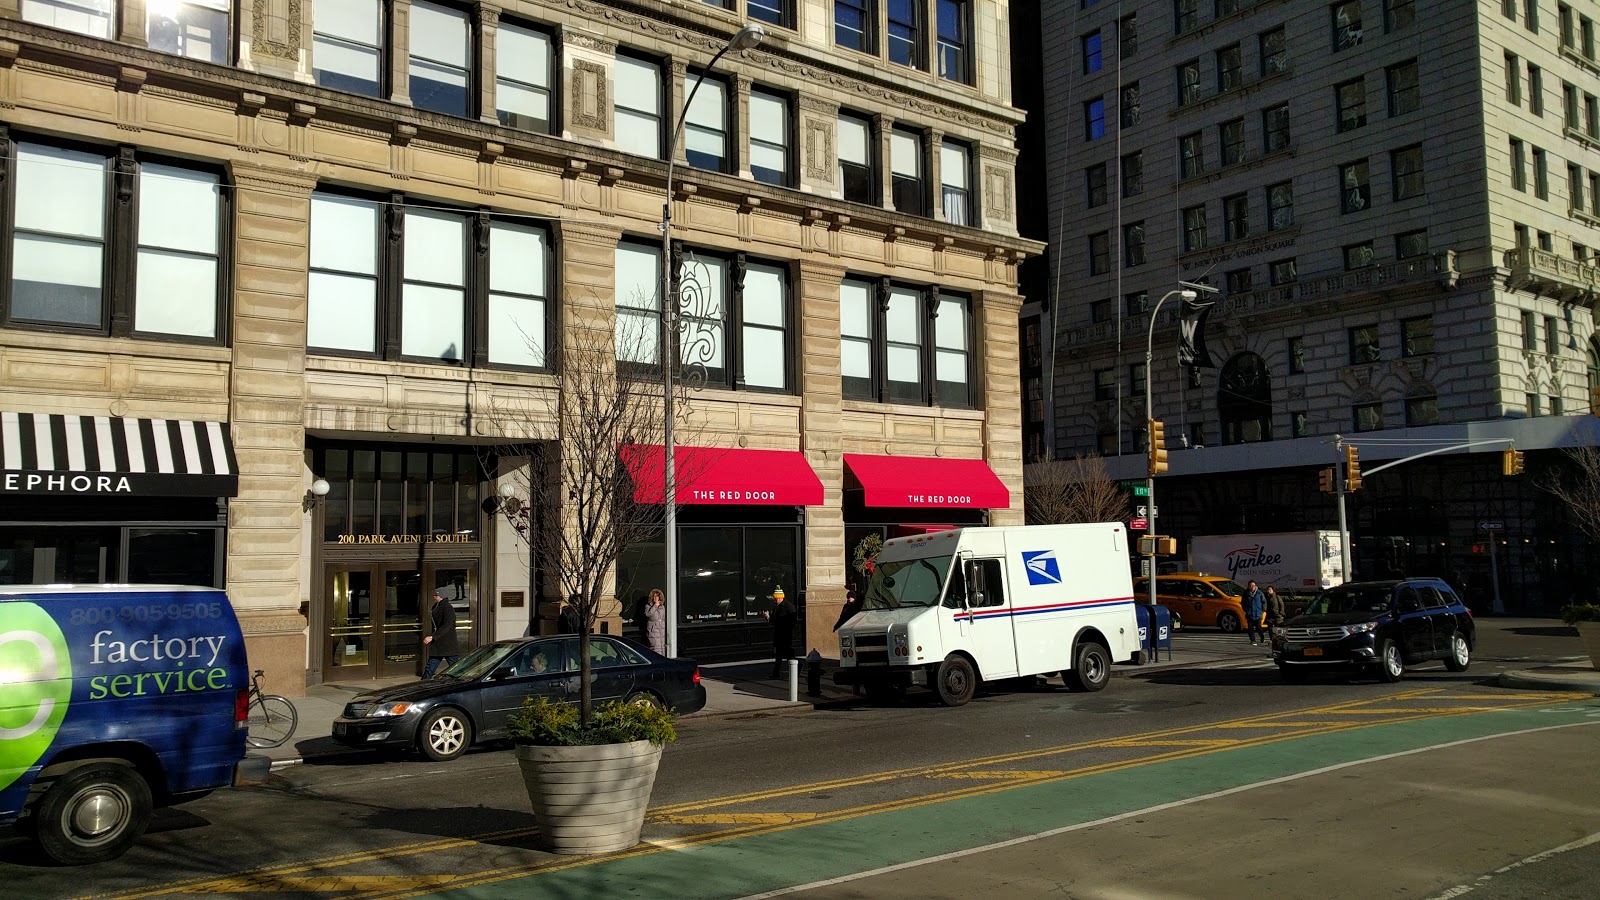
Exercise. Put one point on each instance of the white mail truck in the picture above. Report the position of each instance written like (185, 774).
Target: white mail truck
(952, 609)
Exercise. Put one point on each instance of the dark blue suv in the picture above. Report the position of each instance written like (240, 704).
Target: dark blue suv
(1377, 625)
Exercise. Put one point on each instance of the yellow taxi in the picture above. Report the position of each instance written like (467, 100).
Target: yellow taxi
(1198, 598)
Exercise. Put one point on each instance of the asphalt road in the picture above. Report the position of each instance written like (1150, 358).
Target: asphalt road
(1214, 782)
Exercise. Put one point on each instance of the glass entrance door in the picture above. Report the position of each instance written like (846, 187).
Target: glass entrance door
(375, 620)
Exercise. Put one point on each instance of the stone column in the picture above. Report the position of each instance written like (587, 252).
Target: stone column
(587, 77)
(399, 56)
(674, 95)
(275, 37)
(739, 126)
(822, 440)
(131, 26)
(819, 146)
(486, 22)
(882, 135)
(272, 221)
(935, 170)
(1000, 380)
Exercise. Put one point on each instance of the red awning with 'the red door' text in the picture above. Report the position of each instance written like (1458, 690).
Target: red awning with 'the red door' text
(724, 476)
(910, 481)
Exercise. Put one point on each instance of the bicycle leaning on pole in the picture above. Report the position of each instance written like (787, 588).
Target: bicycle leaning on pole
(271, 718)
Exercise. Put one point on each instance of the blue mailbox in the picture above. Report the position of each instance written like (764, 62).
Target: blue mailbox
(1156, 636)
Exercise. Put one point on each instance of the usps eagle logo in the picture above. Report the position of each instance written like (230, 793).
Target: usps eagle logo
(1042, 567)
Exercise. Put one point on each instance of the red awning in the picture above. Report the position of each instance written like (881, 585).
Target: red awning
(901, 481)
(724, 476)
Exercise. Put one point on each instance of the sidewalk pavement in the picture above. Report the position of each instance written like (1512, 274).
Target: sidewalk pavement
(734, 689)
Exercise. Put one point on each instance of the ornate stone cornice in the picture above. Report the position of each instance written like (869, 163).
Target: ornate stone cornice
(575, 37)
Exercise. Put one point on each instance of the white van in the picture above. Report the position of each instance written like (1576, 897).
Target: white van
(952, 608)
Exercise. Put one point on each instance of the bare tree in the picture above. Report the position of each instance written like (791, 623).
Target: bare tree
(1062, 491)
(1578, 488)
(582, 511)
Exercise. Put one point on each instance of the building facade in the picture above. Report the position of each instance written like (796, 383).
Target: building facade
(275, 270)
(1398, 211)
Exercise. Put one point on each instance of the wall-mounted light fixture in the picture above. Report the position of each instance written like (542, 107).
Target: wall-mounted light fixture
(314, 494)
(510, 503)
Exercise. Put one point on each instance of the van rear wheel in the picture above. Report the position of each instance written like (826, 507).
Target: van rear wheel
(955, 681)
(92, 814)
(1091, 668)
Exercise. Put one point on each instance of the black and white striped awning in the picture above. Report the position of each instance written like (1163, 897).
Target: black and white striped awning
(102, 455)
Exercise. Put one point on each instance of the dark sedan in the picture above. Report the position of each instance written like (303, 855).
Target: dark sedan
(470, 701)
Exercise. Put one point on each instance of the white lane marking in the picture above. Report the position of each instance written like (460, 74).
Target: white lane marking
(1028, 839)
(1460, 889)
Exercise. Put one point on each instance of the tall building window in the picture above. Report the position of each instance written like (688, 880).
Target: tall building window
(852, 24)
(1365, 345)
(64, 231)
(955, 40)
(1133, 174)
(1231, 136)
(1541, 174)
(1357, 256)
(637, 107)
(1562, 9)
(1346, 25)
(1574, 187)
(1530, 331)
(1530, 15)
(1280, 206)
(1591, 115)
(904, 32)
(1275, 128)
(1404, 93)
(1519, 166)
(1405, 165)
(1282, 271)
(1128, 35)
(1274, 48)
(439, 42)
(1411, 244)
(518, 294)
(1351, 100)
(1586, 29)
(1422, 411)
(90, 17)
(903, 339)
(705, 122)
(1191, 155)
(1105, 385)
(1230, 68)
(952, 351)
(1237, 281)
(1133, 245)
(1594, 193)
(1094, 119)
(522, 77)
(1354, 192)
(347, 46)
(1099, 253)
(955, 173)
(1399, 14)
(1094, 179)
(1416, 336)
(769, 138)
(1091, 53)
(856, 305)
(1130, 105)
(1513, 68)
(195, 29)
(1535, 90)
(1136, 303)
(433, 289)
(857, 180)
(1236, 217)
(773, 12)
(342, 287)
(910, 188)
(1185, 15)
(1552, 335)
(1368, 416)
(1188, 82)
(1569, 105)
(1194, 228)
(1296, 352)
(1519, 233)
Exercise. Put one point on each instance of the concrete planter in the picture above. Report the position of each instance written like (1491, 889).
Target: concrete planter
(1589, 632)
(589, 799)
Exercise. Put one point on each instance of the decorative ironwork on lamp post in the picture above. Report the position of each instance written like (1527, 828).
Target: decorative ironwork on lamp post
(745, 38)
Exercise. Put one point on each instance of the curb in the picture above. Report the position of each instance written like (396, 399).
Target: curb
(1530, 681)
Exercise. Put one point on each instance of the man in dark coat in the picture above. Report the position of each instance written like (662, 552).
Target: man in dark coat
(440, 640)
(782, 618)
(852, 605)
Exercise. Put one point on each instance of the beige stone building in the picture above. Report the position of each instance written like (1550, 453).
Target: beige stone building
(272, 267)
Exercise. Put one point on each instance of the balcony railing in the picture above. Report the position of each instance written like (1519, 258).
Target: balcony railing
(1551, 275)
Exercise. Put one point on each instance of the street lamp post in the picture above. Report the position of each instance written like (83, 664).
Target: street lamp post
(745, 38)
(1149, 416)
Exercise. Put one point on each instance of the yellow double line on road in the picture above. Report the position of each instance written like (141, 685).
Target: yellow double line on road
(310, 876)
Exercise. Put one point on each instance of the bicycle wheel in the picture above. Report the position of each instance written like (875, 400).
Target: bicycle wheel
(271, 721)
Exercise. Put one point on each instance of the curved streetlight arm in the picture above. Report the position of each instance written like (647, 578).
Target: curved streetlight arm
(745, 38)
(1149, 414)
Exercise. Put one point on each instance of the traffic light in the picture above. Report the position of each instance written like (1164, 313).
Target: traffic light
(1325, 480)
(1352, 469)
(1157, 432)
(1511, 462)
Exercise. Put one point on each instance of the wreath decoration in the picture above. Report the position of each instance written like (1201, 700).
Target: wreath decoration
(866, 551)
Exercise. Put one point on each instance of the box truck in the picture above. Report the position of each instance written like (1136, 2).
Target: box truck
(1294, 562)
(952, 609)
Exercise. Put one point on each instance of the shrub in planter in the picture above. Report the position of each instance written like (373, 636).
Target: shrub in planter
(1585, 617)
(1580, 612)
(589, 787)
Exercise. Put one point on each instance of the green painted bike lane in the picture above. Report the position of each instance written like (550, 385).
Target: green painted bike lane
(807, 853)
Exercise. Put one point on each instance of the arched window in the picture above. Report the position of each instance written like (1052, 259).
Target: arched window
(1244, 400)
(1594, 376)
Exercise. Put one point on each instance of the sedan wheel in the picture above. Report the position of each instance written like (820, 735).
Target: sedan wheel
(645, 698)
(1228, 622)
(444, 735)
(1391, 667)
(1460, 654)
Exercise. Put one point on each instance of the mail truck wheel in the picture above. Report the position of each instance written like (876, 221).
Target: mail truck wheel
(1091, 668)
(956, 680)
(92, 814)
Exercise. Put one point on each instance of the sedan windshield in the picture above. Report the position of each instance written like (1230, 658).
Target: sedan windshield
(479, 662)
(1350, 600)
(907, 582)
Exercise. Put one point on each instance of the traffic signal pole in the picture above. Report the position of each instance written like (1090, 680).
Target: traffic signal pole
(1339, 492)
